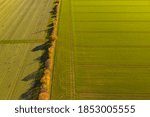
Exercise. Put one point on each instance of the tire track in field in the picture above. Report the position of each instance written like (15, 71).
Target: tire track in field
(7, 80)
(21, 69)
(43, 19)
(5, 13)
(9, 32)
(68, 85)
(72, 64)
(2, 2)
(7, 21)
(67, 42)
(26, 18)
(4, 73)
(5, 7)
(42, 22)
(5, 3)
(22, 36)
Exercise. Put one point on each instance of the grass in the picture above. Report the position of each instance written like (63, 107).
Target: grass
(102, 50)
(23, 30)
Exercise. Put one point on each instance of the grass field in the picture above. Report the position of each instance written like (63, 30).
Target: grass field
(103, 50)
(22, 29)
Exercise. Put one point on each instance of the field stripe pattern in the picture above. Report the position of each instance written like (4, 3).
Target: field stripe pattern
(23, 27)
(106, 49)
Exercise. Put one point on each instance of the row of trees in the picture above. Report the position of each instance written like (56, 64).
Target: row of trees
(46, 79)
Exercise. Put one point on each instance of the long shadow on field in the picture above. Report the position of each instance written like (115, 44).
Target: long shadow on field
(33, 92)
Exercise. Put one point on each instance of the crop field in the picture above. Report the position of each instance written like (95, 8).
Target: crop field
(103, 50)
(22, 32)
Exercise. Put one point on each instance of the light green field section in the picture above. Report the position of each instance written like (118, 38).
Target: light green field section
(23, 25)
(103, 50)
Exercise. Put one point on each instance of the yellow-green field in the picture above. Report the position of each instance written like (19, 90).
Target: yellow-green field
(22, 31)
(103, 50)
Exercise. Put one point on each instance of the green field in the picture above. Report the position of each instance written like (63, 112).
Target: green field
(22, 29)
(103, 50)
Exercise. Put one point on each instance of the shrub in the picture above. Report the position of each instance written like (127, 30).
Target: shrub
(53, 37)
(45, 80)
(44, 96)
(47, 63)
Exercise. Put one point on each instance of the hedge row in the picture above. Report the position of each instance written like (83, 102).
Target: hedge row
(45, 90)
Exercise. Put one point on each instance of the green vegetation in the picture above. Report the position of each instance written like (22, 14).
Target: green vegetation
(103, 50)
(23, 28)
(46, 79)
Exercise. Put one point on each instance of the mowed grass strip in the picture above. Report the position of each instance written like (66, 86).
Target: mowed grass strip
(111, 50)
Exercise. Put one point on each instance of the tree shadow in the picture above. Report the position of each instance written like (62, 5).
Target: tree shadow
(33, 92)
(54, 11)
(30, 76)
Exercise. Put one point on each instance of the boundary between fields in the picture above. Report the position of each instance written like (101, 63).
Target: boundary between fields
(21, 41)
(45, 89)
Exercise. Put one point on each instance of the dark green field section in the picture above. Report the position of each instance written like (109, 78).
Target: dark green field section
(23, 25)
(103, 50)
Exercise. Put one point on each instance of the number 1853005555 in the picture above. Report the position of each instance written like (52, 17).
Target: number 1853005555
(106, 109)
